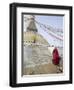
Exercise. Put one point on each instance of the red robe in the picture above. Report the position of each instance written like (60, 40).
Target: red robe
(56, 57)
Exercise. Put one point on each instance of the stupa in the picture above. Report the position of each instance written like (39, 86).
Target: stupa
(31, 34)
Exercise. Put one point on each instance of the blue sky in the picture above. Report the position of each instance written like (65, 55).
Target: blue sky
(53, 21)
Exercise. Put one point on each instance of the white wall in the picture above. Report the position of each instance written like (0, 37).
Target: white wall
(4, 43)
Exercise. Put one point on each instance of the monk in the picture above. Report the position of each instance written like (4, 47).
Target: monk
(56, 57)
(56, 60)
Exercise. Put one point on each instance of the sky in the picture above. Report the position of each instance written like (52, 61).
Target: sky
(53, 21)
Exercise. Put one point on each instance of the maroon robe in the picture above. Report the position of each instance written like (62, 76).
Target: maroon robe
(56, 57)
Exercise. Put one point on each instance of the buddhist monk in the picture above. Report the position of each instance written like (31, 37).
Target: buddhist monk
(56, 56)
(56, 60)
